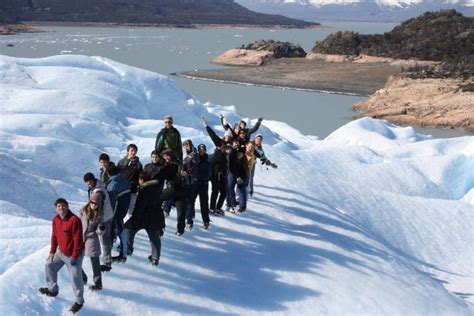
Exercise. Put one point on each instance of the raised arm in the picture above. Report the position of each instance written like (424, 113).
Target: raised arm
(255, 127)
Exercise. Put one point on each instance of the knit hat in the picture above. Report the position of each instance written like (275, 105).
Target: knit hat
(97, 197)
(89, 176)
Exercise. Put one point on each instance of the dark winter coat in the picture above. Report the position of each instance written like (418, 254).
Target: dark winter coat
(152, 170)
(259, 153)
(248, 131)
(169, 138)
(218, 162)
(67, 235)
(190, 165)
(204, 169)
(119, 194)
(147, 213)
(237, 164)
(218, 141)
(104, 176)
(130, 169)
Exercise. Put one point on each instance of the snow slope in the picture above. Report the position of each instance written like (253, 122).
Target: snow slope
(374, 219)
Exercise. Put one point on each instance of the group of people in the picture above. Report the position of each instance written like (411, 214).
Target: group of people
(127, 197)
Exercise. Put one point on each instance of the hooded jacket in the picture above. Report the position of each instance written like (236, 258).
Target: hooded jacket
(130, 169)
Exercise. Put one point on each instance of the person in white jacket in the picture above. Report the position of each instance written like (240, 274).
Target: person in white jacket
(96, 186)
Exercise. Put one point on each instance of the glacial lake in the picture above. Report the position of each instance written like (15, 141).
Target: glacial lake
(166, 50)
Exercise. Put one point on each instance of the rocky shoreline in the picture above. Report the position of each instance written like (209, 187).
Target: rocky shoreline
(14, 28)
(423, 102)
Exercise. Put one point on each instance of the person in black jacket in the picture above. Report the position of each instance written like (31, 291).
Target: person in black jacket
(218, 142)
(153, 168)
(130, 167)
(174, 188)
(147, 215)
(204, 175)
(219, 171)
(241, 126)
(237, 163)
(189, 174)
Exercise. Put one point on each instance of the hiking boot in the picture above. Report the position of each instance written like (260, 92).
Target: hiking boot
(96, 287)
(153, 261)
(189, 226)
(119, 258)
(220, 212)
(230, 209)
(47, 292)
(75, 308)
(241, 209)
(206, 225)
(178, 233)
(105, 267)
(212, 212)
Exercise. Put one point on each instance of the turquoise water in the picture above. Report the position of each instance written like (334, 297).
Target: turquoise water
(170, 50)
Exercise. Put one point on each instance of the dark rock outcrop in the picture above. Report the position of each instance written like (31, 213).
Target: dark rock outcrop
(279, 49)
(439, 36)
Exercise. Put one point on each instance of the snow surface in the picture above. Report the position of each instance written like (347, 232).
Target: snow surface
(374, 219)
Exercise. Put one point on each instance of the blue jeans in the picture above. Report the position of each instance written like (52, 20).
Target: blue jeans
(241, 191)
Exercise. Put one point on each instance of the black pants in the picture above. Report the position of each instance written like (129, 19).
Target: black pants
(97, 274)
(219, 189)
(179, 197)
(153, 236)
(203, 193)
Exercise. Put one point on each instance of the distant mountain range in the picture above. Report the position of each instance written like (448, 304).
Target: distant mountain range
(356, 10)
(167, 12)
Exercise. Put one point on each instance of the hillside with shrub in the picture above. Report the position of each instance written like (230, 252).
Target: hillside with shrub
(445, 36)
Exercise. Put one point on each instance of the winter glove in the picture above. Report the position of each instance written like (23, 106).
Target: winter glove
(221, 116)
(240, 181)
(73, 262)
(50, 257)
(260, 119)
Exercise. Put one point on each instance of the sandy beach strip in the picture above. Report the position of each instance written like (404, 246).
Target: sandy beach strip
(308, 75)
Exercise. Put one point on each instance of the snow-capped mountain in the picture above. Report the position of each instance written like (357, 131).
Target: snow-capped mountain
(357, 10)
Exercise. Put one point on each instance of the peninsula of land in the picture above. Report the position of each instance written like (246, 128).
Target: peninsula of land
(420, 73)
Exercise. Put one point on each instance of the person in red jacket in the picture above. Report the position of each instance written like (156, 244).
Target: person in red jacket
(67, 247)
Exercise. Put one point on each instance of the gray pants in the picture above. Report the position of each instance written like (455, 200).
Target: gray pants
(75, 274)
(106, 241)
(155, 241)
(97, 274)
